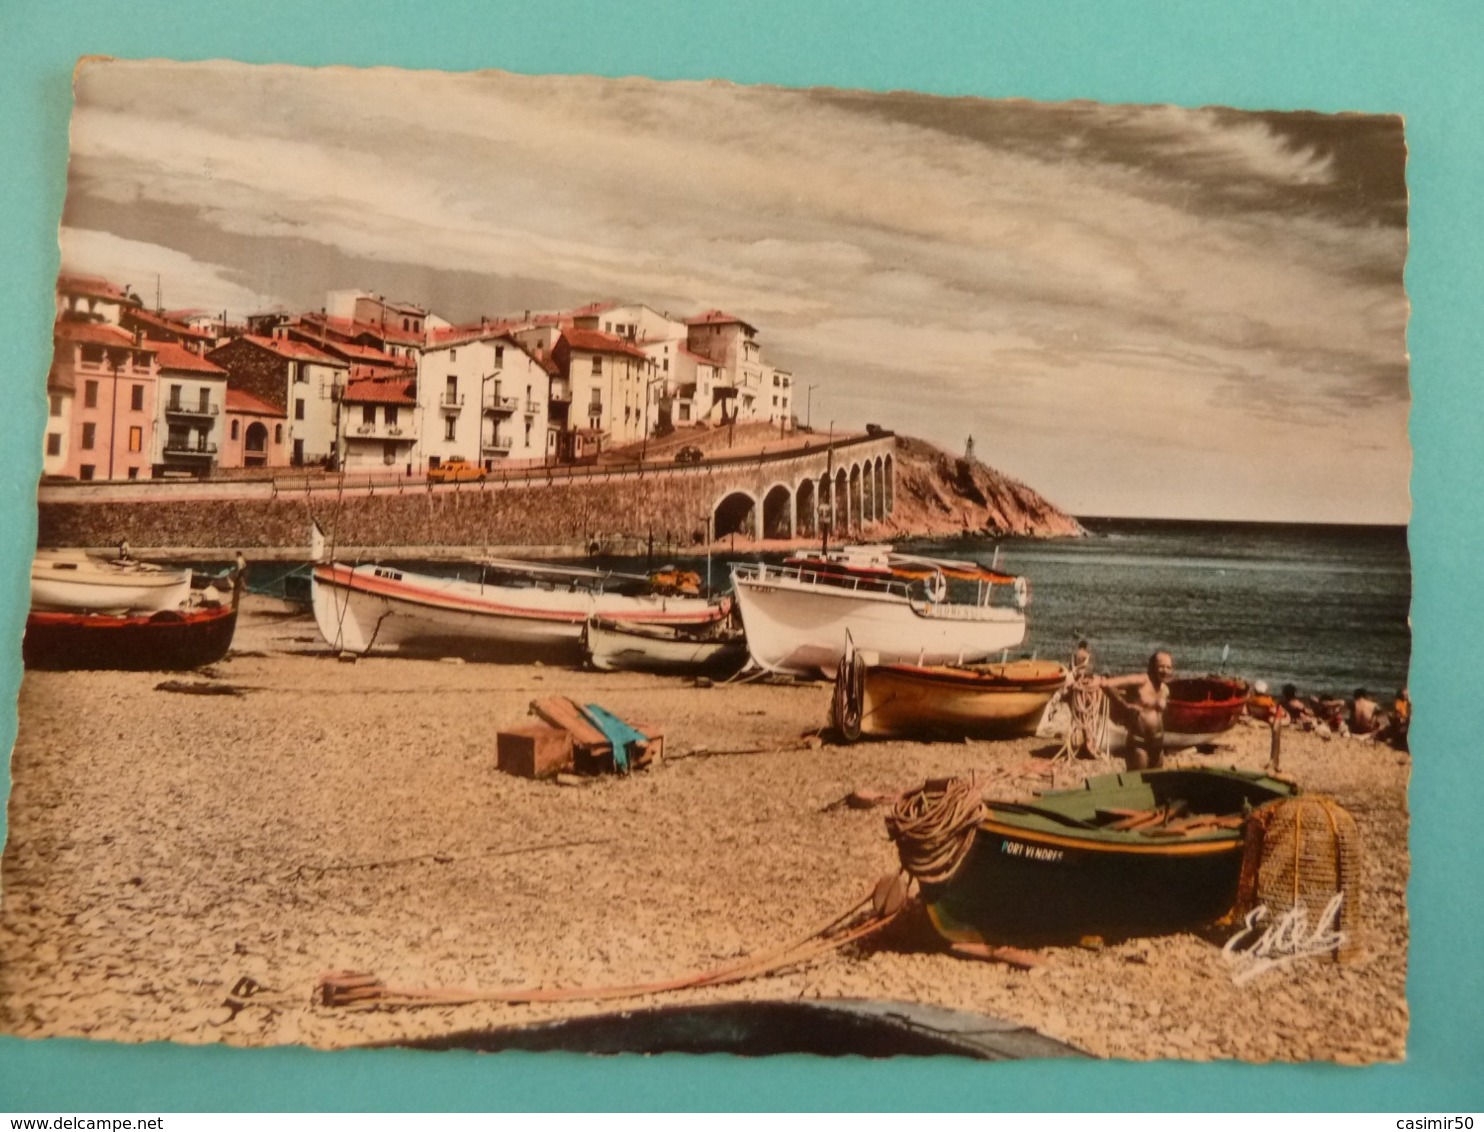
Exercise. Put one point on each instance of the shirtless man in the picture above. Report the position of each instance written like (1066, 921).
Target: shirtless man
(1365, 715)
(1145, 716)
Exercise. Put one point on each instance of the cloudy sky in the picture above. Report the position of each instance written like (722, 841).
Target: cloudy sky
(1136, 310)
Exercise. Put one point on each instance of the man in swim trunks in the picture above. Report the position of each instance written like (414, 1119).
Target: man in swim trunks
(1144, 713)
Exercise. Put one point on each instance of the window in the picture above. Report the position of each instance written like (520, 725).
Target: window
(368, 414)
(278, 434)
(528, 433)
(391, 416)
(175, 392)
(684, 412)
(205, 400)
(89, 433)
(499, 355)
(236, 425)
(298, 408)
(597, 367)
(133, 473)
(597, 400)
(300, 373)
(56, 404)
(136, 438)
(54, 444)
(136, 398)
(667, 365)
(406, 324)
(448, 428)
(775, 380)
(86, 472)
(453, 355)
(92, 355)
(90, 394)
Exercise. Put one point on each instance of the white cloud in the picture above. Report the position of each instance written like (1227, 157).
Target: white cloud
(185, 282)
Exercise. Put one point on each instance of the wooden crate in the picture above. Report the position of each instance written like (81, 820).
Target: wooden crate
(535, 751)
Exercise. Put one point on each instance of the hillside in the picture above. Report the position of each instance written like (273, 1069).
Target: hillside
(939, 494)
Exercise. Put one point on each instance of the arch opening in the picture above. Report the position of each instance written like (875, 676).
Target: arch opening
(806, 506)
(735, 515)
(778, 513)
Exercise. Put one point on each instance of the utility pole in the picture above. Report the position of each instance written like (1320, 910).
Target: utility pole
(829, 508)
(809, 407)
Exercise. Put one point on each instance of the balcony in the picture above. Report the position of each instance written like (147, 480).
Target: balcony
(498, 444)
(182, 409)
(451, 402)
(499, 404)
(374, 431)
(187, 448)
(532, 407)
(561, 395)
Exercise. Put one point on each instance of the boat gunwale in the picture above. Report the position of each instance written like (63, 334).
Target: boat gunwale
(329, 574)
(965, 679)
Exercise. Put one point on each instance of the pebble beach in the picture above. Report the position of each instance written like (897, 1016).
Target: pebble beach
(334, 815)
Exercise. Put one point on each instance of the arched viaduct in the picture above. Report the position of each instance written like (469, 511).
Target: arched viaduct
(787, 494)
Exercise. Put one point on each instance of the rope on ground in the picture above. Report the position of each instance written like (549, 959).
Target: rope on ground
(364, 989)
(933, 828)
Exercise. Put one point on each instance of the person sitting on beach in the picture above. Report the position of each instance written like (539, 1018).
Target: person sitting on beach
(1366, 717)
(1329, 710)
(1144, 716)
(1298, 712)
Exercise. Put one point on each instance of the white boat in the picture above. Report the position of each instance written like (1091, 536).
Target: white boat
(71, 581)
(900, 607)
(384, 608)
(613, 646)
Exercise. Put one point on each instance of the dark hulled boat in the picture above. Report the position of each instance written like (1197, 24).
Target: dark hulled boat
(1136, 853)
(166, 640)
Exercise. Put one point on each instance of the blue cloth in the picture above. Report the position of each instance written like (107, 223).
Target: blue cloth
(617, 732)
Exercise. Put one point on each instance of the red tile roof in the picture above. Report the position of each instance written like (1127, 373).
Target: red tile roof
(398, 391)
(718, 318)
(94, 287)
(689, 353)
(239, 401)
(369, 355)
(98, 333)
(159, 322)
(596, 341)
(174, 356)
(293, 350)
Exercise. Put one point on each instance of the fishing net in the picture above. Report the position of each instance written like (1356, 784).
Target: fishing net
(1301, 862)
(933, 827)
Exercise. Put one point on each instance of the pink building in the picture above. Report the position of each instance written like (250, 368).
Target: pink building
(102, 393)
(255, 433)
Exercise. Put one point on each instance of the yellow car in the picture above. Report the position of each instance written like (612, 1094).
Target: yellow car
(455, 469)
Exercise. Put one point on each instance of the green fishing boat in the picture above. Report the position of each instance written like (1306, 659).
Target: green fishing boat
(1136, 853)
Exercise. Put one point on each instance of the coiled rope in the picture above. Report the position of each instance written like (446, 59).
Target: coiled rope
(933, 828)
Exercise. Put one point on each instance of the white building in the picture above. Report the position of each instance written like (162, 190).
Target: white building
(483, 397)
(190, 405)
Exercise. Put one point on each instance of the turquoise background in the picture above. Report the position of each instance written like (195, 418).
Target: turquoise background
(1419, 59)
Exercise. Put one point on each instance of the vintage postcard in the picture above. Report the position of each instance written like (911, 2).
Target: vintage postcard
(618, 565)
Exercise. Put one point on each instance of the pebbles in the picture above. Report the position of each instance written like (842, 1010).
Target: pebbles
(163, 846)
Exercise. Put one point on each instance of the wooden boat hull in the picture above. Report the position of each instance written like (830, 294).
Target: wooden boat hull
(163, 641)
(800, 628)
(989, 701)
(65, 581)
(383, 609)
(613, 647)
(1031, 879)
(1201, 710)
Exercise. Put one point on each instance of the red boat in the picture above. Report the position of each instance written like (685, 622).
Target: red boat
(166, 640)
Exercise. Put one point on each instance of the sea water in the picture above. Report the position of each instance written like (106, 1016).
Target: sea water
(1322, 607)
